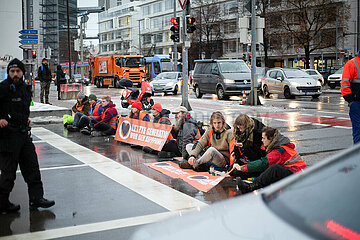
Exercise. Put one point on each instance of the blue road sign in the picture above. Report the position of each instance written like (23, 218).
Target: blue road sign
(28, 36)
(28, 31)
(24, 41)
(83, 13)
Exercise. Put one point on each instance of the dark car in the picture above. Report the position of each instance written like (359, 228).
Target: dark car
(321, 202)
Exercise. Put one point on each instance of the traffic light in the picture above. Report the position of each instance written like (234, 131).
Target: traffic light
(190, 28)
(175, 29)
(33, 52)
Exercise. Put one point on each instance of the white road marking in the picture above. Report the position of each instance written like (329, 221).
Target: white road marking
(93, 227)
(60, 167)
(159, 193)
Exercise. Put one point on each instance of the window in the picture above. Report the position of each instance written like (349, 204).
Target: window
(230, 27)
(146, 10)
(118, 46)
(279, 75)
(230, 46)
(157, 68)
(157, 7)
(118, 2)
(124, 21)
(158, 37)
(103, 37)
(166, 20)
(30, 2)
(147, 38)
(31, 17)
(231, 8)
(273, 74)
(156, 22)
(169, 4)
(111, 47)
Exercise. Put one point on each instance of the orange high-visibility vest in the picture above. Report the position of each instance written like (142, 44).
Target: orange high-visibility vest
(170, 137)
(295, 161)
(79, 108)
(142, 115)
(95, 113)
(112, 121)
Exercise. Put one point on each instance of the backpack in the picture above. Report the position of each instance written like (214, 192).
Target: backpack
(202, 126)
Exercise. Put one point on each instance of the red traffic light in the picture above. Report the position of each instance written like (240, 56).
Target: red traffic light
(190, 20)
(190, 28)
(33, 52)
(174, 21)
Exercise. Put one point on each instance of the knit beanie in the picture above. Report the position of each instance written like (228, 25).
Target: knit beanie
(16, 63)
(80, 95)
(157, 107)
(93, 97)
(137, 105)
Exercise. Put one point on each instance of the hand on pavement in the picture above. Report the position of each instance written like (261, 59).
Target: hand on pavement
(191, 161)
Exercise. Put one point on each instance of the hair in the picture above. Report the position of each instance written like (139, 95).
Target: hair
(243, 120)
(107, 98)
(269, 132)
(217, 115)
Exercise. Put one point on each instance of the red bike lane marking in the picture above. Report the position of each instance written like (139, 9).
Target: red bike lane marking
(303, 118)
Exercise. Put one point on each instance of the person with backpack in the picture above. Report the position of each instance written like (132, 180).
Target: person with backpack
(280, 161)
(44, 74)
(161, 116)
(218, 142)
(184, 132)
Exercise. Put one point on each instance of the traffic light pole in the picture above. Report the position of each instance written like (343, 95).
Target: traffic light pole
(175, 44)
(186, 46)
(68, 35)
(253, 98)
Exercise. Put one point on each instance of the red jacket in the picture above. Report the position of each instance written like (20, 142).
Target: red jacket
(109, 114)
(350, 81)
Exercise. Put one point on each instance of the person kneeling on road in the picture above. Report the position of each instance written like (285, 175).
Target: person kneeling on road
(281, 161)
(96, 109)
(160, 116)
(106, 123)
(218, 140)
(81, 107)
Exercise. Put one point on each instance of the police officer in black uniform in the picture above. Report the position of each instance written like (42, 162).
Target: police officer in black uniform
(16, 146)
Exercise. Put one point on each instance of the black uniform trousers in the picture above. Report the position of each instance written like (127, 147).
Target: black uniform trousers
(22, 152)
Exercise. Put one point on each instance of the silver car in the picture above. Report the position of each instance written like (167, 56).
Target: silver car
(167, 82)
(321, 202)
(290, 82)
(315, 75)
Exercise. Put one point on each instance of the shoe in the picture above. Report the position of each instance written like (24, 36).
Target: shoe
(71, 128)
(246, 187)
(85, 131)
(149, 150)
(10, 208)
(41, 202)
(185, 165)
(164, 154)
(48, 103)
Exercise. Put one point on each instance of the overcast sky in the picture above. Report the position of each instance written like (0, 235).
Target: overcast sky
(91, 26)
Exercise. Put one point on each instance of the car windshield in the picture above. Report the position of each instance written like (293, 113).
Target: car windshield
(295, 73)
(167, 66)
(234, 67)
(339, 71)
(166, 75)
(325, 203)
(133, 62)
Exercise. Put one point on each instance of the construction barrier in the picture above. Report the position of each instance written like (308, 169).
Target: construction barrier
(70, 91)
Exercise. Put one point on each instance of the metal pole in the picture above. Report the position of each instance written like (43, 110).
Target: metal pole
(343, 37)
(358, 27)
(253, 93)
(175, 44)
(336, 41)
(185, 96)
(68, 33)
(82, 21)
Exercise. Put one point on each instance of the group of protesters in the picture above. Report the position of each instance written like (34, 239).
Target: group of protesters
(249, 149)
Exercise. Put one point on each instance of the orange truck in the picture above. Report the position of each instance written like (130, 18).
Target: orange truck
(108, 70)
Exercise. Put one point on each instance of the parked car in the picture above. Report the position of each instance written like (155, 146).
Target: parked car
(78, 79)
(315, 75)
(321, 202)
(167, 82)
(291, 82)
(260, 74)
(334, 79)
(223, 77)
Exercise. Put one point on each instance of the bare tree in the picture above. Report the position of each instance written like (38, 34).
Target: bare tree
(208, 36)
(307, 24)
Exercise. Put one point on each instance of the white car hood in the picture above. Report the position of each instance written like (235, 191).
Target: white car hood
(304, 81)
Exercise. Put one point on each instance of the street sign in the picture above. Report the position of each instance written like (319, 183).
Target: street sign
(28, 31)
(70, 26)
(28, 36)
(83, 13)
(182, 3)
(28, 46)
(29, 61)
(25, 41)
(342, 52)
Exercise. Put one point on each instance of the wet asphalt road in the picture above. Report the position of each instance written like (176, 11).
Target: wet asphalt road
(88, 194)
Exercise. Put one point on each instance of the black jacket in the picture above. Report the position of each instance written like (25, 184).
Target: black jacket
(60, 78)
(14, 106)
(44, 73)
(164, 113)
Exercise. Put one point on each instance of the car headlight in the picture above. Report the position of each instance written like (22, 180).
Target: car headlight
(318, 83)
(169, 84)
(229, 81)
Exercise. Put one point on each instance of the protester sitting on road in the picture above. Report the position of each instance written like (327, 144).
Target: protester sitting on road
(247, 141)
(160, 116)
(184, 132)
(136, 112)
(281, 161)
(96, 110)
(81, 107)
(106, 123)
(219, 143)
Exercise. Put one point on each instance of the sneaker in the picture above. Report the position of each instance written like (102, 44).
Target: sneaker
(185, 165)
(164, 154)
(85, 131)
(9, 208)
(71, 128)
(41, 202)
(48, 103)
